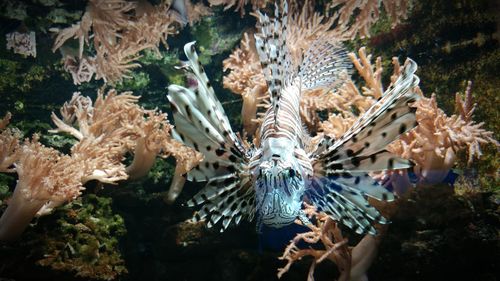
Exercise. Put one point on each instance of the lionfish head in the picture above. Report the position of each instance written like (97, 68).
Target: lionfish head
(279, 187)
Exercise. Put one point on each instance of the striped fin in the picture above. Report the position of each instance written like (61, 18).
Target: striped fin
(345, 203)
(273, 52)
(325, 64)
(201, 123)
(341, 185)
(362, 148)
(205, 99)
(225, 199)
(378, 161)
(364, 184)
(193, 129)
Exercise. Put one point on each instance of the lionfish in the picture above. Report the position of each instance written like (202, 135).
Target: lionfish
(271, 180)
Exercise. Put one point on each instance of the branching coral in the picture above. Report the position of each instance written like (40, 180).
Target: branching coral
(119, 31)
(48, 178)
(116, 124)
(348, 102)
(105, 18)
(240, 4)
(356, 17)
(120, 126)
(329, 235)
(44, 175)
(246, 79)
(106, 131)
(351, 262)
(434, 143)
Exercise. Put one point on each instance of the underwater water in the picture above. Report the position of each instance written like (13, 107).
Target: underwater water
(115, 220)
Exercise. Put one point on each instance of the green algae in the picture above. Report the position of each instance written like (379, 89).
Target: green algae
(84, 239)
(138, 80)
(8, 80)
(214, 36)
(5, 181)
(21, 76)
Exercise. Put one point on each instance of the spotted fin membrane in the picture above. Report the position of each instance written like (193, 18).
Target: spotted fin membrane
(341, 184)
(201, 123)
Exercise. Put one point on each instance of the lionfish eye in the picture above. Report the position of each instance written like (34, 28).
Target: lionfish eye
(291, 172)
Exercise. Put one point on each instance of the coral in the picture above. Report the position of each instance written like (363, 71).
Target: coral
(352, 262)
(44, 176)
(240, 4)
(195, 12)
(349, 102)
(106, 19)
(106, 131)
(325, 231)
(246, 79)
(153, 136)
(120, 126)
(356, 17)
(115, 124)
(435, 142)
(120, 30)
(22, 43)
